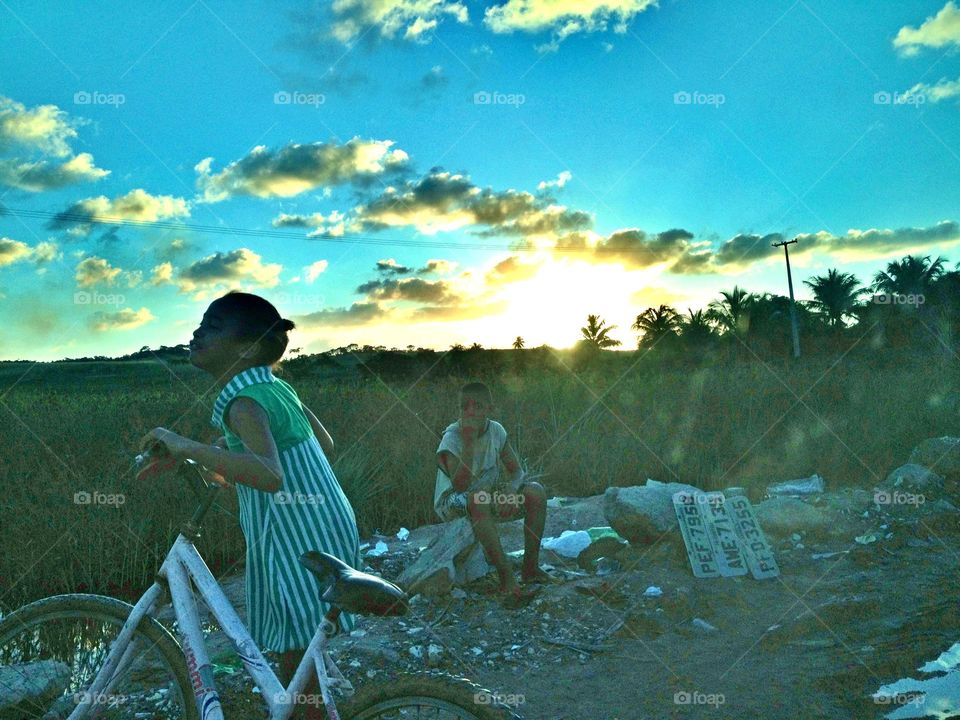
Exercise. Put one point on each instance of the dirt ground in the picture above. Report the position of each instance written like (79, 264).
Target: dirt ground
(815, 642)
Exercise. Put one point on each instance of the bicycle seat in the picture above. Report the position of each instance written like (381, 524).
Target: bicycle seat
(352, 590)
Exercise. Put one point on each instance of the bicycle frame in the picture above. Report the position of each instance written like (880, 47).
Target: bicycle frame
(182, 565)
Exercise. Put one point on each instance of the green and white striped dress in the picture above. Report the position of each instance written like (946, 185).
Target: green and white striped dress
(310, 512)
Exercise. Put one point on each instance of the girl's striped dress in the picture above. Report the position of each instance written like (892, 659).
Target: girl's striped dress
(310, 512)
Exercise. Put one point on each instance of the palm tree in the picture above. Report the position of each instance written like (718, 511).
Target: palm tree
(596, 333)
(518, 343)
(655, 323)
(835, 295)
(695, 327)
(732, 313)
(910, 275)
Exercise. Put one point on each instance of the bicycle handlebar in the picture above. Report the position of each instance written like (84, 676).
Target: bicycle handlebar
(207, 495)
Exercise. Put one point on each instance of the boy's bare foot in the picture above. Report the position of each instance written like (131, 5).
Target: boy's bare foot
(537, 577)
(517, 597)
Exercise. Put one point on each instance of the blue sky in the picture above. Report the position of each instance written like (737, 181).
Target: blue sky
(681, 133)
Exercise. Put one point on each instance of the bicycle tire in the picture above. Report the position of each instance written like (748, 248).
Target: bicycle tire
(30, 634)
(434, 690)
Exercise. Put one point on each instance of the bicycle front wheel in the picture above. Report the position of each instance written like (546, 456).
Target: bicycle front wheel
(52, 649)
(429, 695)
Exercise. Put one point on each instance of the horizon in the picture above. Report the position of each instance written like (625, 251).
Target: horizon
(457, 173)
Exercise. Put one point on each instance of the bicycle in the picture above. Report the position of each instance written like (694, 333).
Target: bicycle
(80, 656)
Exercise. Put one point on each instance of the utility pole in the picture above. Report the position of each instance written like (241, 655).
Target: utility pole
(793, 304)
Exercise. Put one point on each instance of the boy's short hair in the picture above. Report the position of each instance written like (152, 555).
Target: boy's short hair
(476, 391)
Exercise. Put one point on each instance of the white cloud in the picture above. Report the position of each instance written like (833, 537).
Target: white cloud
(941, 30)
(161, 274)
(240, 266)
(562, 179)
(43, 175)
(943, 90)
(13, 250)
(125, 319)
(409, 19)
(137, 205)
(43, 128)
(94, 271)
(296, 168)
(313, 270)
(562, 18)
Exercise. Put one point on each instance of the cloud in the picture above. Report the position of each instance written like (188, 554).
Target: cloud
(360, 313)
(562, 179)
(442, 202)
(220, 269)
(434, 78)
(161, 274)
(943, 90)
(44, 128)
(12, 251)
(562, 18)
(409, 19)
(94, 270)
(296, 168)
(313, 270)
(433, 292)
(314, 220)
(941, 30)
(125, 319)
(511, 269)
(137, 206)
(437, 266)
(43, 132)
(463, 311)
(392, 267)
(43, 175)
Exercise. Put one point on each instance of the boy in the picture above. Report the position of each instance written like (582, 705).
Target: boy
(469, 484)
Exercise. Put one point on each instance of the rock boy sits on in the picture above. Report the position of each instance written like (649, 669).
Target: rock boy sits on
(469, 483)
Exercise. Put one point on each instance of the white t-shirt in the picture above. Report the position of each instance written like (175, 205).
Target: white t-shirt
(486, 455)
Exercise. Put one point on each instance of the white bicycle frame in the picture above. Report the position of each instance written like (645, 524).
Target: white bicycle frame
(183, 564)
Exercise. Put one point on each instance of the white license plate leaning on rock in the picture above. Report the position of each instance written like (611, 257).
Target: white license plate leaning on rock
(696, 536)
(756, 549)
(723, 536)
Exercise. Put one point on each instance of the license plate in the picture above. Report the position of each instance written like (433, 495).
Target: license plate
(756, 549)
(696, 536)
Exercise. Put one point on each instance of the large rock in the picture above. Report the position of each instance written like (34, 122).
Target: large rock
(783, 516)
(915, 478)
(643, 513)
(31, 685)
(453, 558)
(941, 455)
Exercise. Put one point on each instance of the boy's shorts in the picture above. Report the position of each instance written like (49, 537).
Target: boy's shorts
(453, 505)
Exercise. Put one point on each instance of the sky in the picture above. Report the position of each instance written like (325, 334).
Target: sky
(430, 172)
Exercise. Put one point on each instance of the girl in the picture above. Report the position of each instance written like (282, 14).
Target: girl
(276, 456)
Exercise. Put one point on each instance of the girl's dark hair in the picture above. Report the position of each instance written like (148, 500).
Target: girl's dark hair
(257, 320)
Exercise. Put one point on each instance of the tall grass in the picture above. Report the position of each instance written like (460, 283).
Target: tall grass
(618, 424)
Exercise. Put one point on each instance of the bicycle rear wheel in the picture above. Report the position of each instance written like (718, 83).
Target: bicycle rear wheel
(52, 649)
(412, 696)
